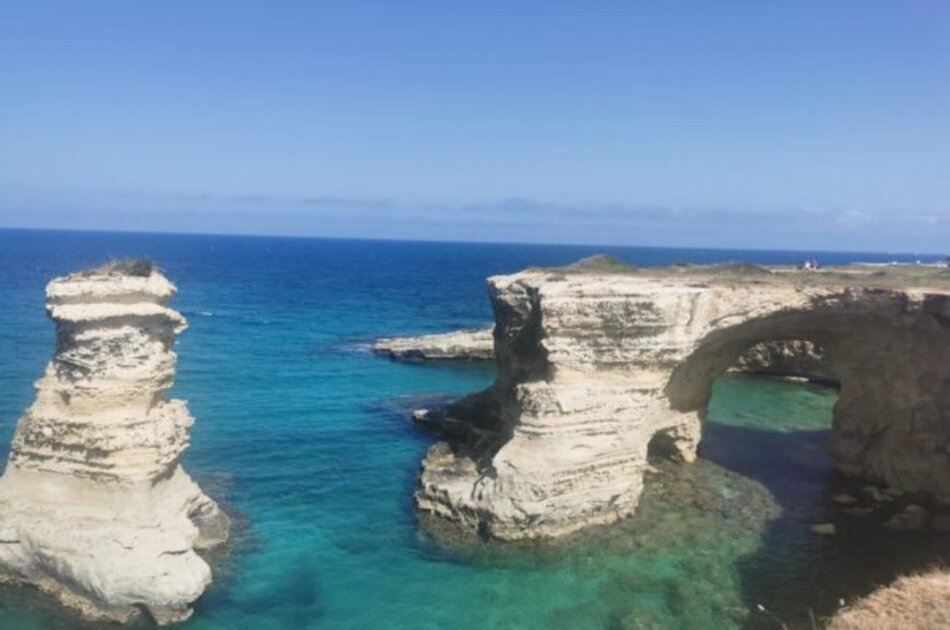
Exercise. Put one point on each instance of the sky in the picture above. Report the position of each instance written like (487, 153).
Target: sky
(793, 125)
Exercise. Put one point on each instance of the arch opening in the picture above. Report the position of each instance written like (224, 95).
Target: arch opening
(797, 360)
(891, 423)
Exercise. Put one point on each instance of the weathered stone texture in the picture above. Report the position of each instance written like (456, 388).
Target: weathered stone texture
(594, 366)
(95, 507)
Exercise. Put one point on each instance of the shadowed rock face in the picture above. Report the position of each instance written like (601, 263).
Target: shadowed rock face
(95, 507)
(593, 367)
(787, 358)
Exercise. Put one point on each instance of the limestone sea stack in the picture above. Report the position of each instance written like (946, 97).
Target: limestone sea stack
(95, 507)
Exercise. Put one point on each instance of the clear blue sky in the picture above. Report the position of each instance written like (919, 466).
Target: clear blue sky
(770, 124)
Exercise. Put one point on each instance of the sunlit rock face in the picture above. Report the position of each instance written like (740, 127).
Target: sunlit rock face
(596, 367)
(468, 345)
(95, 507)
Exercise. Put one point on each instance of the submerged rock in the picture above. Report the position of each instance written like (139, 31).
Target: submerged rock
(823, 529)
(844, 499)
(876, 495)
(95, 507)
(911, 518)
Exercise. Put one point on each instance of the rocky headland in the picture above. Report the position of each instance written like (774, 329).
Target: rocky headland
(95, 507)
(460, 345)
(600, 363)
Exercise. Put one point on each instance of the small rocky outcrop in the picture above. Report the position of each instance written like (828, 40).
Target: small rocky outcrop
(95, 507)
(597, 368)
(469, 345)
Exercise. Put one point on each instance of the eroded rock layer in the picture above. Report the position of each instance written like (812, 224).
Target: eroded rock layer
(594, 368)
(784, 358)
(95, 507)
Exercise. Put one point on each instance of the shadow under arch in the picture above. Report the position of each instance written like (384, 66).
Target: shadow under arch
(795, 469)
(799, 576)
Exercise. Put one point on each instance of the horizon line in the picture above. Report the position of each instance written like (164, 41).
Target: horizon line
(458, 241)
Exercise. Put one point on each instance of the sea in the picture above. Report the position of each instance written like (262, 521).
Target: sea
(303, 436)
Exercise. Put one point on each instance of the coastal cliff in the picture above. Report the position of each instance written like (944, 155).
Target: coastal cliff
(95, 507)
(596, 368)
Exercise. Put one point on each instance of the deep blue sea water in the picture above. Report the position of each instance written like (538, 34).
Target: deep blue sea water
(304, 436)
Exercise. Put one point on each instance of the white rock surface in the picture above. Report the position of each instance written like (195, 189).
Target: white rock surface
(456, 345)
(95, 507)
(595, 367)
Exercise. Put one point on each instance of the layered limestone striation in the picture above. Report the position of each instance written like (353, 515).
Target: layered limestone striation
(785, 358)
(597, 367)
(471, 345)
(95, 507)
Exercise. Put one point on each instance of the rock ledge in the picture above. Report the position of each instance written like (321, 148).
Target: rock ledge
(473, 345)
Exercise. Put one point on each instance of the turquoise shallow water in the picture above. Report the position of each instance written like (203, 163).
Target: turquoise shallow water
(303, 435)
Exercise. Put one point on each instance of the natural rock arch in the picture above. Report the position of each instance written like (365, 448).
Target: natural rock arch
(593, 365)
(891, 363)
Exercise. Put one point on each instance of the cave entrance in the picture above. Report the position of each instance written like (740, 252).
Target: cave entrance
(890, 423)
(777, 391)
